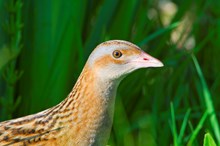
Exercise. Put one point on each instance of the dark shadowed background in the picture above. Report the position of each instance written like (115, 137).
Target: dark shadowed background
(45, 43)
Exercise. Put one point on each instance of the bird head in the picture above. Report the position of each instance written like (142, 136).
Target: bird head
(113, 60)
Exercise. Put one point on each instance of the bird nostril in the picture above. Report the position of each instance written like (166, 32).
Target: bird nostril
(145, 58)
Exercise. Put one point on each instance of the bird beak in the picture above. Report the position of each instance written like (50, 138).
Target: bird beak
(144, 60)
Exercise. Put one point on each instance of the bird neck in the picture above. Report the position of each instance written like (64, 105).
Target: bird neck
(92, 104)
(90, 86)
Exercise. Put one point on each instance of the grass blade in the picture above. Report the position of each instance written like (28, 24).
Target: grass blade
(102, 20)
(158, 33)
(183, 127)
(208, 101)
(173, 125)
(197, 129)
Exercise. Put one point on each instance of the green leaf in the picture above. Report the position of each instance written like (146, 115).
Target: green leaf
(6, 55)
(208, 140)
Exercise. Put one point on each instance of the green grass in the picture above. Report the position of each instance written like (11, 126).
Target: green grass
(44, 45)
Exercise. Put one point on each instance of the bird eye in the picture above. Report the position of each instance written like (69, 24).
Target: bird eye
(117, 54)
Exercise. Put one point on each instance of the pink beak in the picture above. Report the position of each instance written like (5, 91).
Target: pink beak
(145, 60)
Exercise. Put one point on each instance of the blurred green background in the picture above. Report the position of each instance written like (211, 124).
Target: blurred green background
(45, 43)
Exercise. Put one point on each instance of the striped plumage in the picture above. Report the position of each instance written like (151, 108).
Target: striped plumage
(85, 117)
